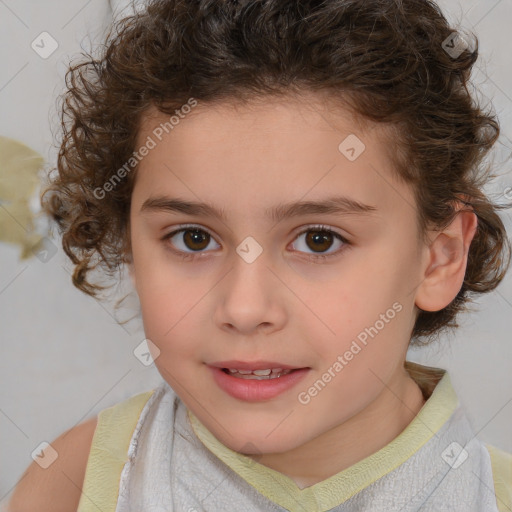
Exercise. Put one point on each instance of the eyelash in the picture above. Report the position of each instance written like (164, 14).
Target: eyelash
(311, 257)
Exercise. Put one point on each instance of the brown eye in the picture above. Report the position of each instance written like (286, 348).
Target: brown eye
(189, 240)
(196, 239)
(320, 239)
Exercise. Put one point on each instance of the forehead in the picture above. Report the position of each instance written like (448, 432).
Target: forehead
(300, 147)
(283, 113)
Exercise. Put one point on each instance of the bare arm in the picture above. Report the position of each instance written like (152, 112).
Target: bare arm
(57, 488)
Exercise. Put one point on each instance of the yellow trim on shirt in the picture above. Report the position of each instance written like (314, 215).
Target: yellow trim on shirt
(502, 472)
(329, 493)
(109, 453)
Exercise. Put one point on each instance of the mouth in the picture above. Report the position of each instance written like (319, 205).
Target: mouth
(256, 369)
(258, 380)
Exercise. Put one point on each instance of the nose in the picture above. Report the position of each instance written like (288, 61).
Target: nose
(251, 299)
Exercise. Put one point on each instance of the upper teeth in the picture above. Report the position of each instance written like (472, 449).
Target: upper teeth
(268, 371)
(256, 372)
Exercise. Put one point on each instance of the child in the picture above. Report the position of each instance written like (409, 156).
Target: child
(296, 189)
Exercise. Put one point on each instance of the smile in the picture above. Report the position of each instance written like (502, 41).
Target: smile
(255, 385)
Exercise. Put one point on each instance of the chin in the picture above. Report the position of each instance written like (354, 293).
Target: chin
(259, 443)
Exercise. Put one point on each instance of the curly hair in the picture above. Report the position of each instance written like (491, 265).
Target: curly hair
(386, 59)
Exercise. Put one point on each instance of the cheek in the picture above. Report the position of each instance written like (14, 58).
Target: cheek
(161, 295)
(167, 317)
(176, 336)
(371, 308)
(169, 310)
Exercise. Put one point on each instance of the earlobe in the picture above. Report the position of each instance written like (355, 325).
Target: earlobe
(447, 258)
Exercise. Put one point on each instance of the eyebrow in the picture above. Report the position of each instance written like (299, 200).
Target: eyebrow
(340, 205)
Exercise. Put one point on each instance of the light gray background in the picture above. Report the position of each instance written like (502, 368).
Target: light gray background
(64, 357)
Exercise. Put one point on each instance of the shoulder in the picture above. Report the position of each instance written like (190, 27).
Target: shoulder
(90, 459)
(501, 463)
(58, 487)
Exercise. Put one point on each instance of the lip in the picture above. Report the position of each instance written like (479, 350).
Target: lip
(254, 365)
(253, 390)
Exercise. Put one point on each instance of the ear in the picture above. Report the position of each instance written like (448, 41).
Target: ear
(446, 262)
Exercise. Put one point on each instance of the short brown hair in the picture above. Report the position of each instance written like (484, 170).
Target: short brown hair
(387, 58)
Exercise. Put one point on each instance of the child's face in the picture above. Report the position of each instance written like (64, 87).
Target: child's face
(347, 317)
